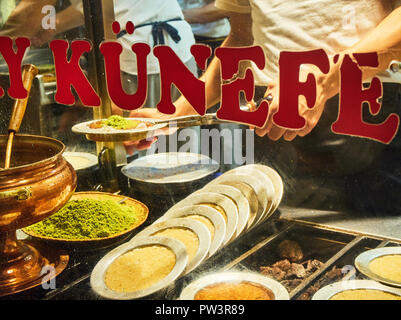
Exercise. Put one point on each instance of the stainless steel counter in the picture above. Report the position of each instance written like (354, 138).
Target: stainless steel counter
(375, 226)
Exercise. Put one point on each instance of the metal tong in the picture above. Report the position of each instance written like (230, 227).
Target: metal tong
(209, 118)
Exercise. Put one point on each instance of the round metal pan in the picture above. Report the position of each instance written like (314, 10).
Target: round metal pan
(189, 292)
(362, 263)
(254, 183)
(197, 227)
(170, 173)
(328, 292)
(219, 224)
(228, 206)
(240, 200)
(98, 274)
(268, 187)
(277, 184)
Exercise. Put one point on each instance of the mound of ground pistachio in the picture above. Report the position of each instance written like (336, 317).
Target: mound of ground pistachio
(87, 219)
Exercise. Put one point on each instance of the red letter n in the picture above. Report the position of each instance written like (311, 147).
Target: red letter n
(69, 73)
(352, 96)
(173, 71)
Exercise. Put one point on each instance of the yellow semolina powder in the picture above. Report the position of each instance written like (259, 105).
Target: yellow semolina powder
(185, 235)
(365, 294)
(140, 268)
(387, 267)
(205, 221)
(218, 208)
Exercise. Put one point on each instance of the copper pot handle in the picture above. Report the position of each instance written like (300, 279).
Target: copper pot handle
(19, 194)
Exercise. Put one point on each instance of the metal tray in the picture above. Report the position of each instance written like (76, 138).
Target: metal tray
(364, 259)
(97, 276)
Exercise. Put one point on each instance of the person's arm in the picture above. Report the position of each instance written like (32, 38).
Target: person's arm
(66, 19)
(205, 14)
(240, 35)
(26, 19)
(385, 39)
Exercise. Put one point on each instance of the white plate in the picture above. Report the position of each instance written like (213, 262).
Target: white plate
(91, 159)
(215, 217)
(225, 203)
(189, 292)
(364, 259)
(327, 292)
(257, 186)
(240, 200)
(170, 167)
(111, 134)
(197, 227)
(98, 273)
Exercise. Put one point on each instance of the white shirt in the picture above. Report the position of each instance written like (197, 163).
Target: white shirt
(214, 29)
(144, 11)
(299, 25)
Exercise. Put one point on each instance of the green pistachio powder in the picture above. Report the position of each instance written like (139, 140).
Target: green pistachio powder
(87, 219)
(117, 122)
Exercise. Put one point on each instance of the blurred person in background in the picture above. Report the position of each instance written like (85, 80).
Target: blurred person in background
(365, 174)
(157, 22)
(209, 24)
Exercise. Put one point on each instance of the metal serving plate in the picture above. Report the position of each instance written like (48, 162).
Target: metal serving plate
(364, 259)
(213, 198)
(189, 292)
(257, 186)
(250, 195)
(170, 167)
(98, 273)
(111, 134)
(213, 215)
(269, 191)
(240, 200)
(197, 227)
(277, 184)
(327, 292)
(90, 158)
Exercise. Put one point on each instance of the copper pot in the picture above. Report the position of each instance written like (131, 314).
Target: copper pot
(38, 183)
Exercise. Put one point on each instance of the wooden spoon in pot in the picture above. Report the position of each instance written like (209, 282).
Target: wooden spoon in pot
(29, 73)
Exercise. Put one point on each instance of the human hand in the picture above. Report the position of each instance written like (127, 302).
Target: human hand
(326, 87)
(151, 113)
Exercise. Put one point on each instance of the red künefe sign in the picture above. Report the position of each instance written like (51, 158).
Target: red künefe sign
(172, 71)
